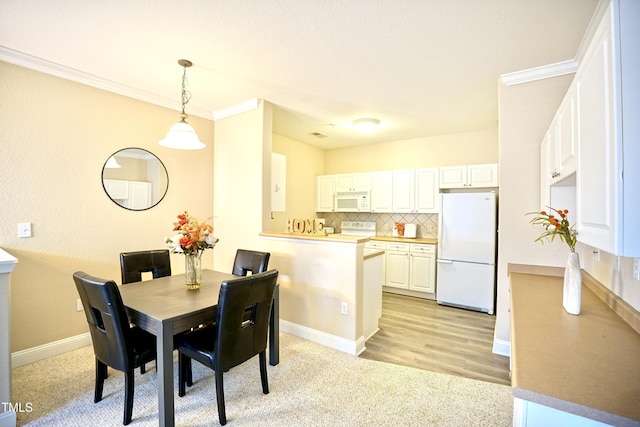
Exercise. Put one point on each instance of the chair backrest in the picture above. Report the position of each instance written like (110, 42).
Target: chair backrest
(253, 261)
(108, 320)
(133, 264)
(239, 337)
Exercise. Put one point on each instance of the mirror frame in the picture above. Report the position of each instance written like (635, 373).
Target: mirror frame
(150, 156)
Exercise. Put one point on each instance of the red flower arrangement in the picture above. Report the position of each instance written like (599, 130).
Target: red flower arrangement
(555, 226)
(193, 236)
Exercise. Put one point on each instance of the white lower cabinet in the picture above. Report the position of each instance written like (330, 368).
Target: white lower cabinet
(411, 269)
(422, 268)
(397, 268)
(531, 414)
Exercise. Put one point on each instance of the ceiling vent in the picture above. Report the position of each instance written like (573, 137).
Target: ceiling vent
(318, 135)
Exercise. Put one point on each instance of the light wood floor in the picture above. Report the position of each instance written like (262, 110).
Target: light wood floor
(422, 334)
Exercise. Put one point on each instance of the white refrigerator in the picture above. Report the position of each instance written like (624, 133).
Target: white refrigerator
(467, 251)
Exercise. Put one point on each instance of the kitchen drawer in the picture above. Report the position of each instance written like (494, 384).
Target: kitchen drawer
(423, 249)
(397, 246)
(375, 245)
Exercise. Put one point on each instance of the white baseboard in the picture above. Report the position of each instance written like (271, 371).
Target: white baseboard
(502, 348)
(34, 354)
(338, 343)
(8, 419)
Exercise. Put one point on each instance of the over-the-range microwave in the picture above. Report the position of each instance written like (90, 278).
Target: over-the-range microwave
(352, 201)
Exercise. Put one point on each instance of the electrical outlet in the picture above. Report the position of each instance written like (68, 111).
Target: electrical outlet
(79, 306)
(344, 308)
(24, 229)
(636, 268)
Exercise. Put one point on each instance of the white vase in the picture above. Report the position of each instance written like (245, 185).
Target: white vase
(572, 290)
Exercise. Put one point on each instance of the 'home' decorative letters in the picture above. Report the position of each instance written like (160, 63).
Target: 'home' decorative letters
(306, 226)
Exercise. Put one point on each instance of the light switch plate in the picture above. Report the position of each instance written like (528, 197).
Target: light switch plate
(24, 229)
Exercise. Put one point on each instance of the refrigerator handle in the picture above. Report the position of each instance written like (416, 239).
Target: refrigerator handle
(445, 261)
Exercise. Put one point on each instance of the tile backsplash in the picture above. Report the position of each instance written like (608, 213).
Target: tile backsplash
(427, 224)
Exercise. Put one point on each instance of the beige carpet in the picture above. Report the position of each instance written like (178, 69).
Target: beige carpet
(312, 386)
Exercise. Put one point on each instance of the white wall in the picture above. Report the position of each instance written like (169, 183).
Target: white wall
(525, 112)
(242, 173)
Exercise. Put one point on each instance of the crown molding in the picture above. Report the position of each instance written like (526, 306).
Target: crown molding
(539, 73)
(67, 73)
(236, 109)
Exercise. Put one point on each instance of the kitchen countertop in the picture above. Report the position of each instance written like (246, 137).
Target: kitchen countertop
(372, 254)
(588, 364)
(338, 238)
(353, 239)
(420, 240)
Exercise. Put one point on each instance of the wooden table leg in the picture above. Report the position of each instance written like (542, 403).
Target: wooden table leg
(165, 375)
(274, 329)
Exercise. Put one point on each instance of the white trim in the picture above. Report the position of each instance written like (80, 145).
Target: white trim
(8, 419)
(539, 73)
(502, 347)
(7, 262)
(47, 67)
(338, 343)
(236, 109)
(34, 354)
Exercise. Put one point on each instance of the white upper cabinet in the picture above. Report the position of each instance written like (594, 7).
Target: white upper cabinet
(415, 191)
(567, 136)
(324, 193)
(608, 107)
(117, 189)
(427, 195)
(381, 192)
(469, 176)
(559, 147)
(139, 195)
(353, 182)
(403, 190)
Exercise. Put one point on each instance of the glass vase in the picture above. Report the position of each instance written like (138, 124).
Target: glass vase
(193, 270)
(572, 289)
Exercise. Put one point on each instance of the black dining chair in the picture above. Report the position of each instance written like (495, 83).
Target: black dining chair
(133, 264)
(234, 338)
(116, 344)
(250, 261)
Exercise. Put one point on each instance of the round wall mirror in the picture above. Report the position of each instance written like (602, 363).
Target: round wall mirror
(135, 179)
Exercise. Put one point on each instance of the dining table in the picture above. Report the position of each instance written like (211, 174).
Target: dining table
(165, 307)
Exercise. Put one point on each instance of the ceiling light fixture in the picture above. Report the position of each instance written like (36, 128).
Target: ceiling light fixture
(366, 125)
(181, 136)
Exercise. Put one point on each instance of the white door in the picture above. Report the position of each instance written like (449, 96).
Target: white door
(427, 198)
(468, 227)
(381, 191)
(422, 272)
(397, 270)
(464, 284)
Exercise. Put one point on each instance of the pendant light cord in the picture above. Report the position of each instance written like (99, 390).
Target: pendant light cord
(186, 95)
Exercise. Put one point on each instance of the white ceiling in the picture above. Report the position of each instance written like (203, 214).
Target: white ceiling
(423, 67)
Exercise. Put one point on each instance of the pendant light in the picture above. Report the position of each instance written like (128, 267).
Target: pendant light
(181, 136)
(112, 163)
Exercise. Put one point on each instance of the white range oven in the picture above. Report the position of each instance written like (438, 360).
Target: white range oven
(361, 229)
